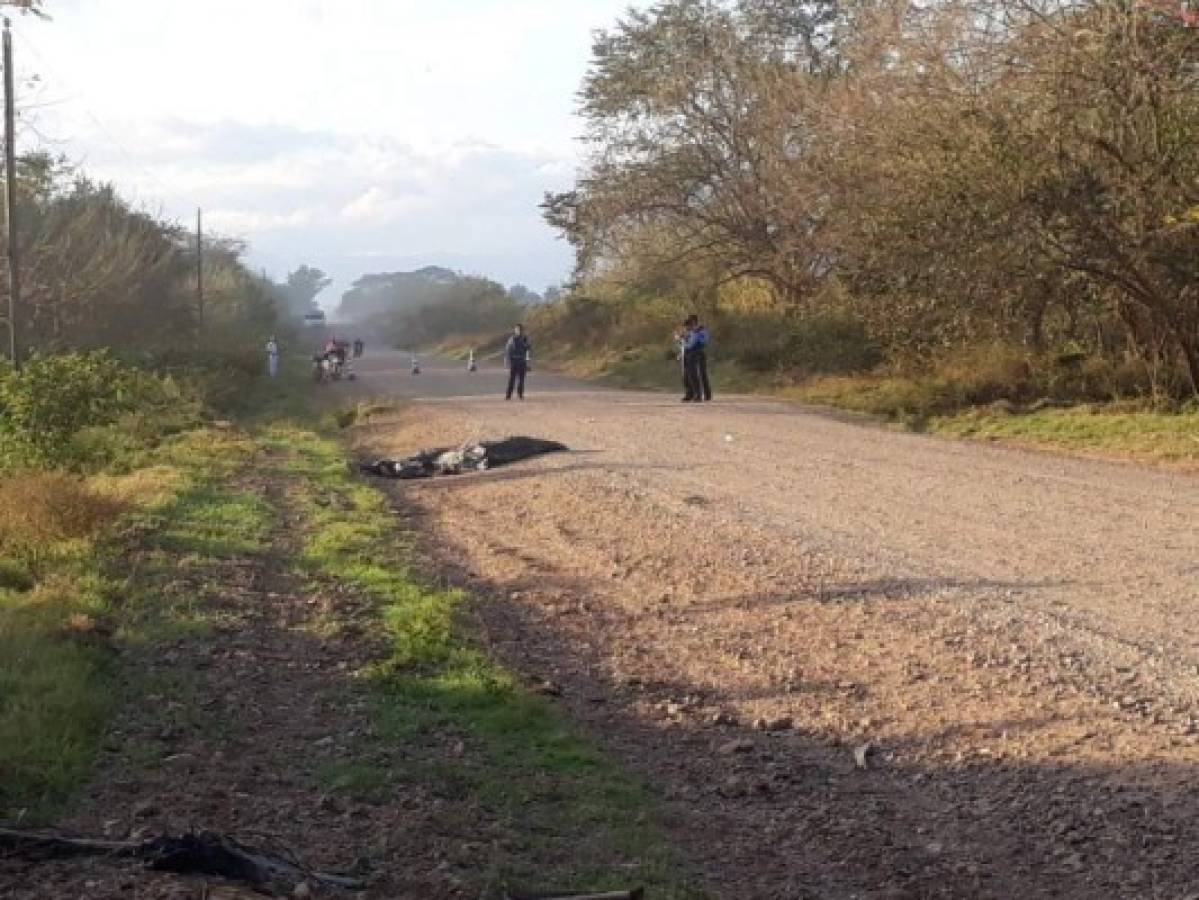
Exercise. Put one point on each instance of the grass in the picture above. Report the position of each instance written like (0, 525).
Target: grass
(573, 818)
(358, 779)
(560, 812)
(1143, 435)
(211, 521)
(55, 693)
(65, 608)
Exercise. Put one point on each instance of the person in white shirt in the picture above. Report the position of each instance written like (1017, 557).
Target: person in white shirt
(272, 357)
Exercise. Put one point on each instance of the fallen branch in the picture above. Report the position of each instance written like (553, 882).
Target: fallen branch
(201, 853)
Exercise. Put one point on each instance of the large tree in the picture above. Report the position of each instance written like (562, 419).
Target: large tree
(698, 115)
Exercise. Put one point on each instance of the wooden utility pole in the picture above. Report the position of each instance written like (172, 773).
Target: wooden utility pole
(10, 199)
(200, 266)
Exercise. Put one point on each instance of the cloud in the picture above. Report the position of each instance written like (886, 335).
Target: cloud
(379, 206)
(243, 221)
(321, 197)
(374, 134)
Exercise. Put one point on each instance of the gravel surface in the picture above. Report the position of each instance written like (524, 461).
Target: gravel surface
(853, 662)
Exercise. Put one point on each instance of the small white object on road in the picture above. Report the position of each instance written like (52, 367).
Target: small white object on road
(728, 438)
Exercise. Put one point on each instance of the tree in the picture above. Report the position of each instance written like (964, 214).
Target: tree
(522, 295)
(698, 115)
(302, 288)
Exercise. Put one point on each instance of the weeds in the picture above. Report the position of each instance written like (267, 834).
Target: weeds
(527, 763)
(42, 511)
(1141, 434)
(65, 605)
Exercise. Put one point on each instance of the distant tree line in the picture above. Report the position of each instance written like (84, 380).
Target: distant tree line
(919, 177)
(98, 273)
(414, 309)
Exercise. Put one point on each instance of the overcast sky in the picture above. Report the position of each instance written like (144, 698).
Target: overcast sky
(353, 135)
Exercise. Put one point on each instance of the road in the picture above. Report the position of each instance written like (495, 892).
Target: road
(977, 665)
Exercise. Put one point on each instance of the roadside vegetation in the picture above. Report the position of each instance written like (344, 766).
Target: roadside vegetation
(72, 601)
(568, 816)
(914, 213)
(108, 442)
(139, 477)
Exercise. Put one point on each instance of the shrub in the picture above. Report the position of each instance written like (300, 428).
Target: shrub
(989, 373)
(832, 345)
(826, 344)
(54, 397)
(82, 410)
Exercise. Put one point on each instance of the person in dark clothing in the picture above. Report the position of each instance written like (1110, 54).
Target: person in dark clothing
(682, 337)
(517, 356)
(697, 387)
(701, 360)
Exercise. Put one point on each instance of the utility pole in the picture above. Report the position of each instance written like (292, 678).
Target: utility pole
(200, 266)
(10, 199)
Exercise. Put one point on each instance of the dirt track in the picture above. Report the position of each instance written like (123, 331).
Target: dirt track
(1005, 639)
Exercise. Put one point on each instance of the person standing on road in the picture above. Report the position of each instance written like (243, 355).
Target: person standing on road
(516, 356)
(695, 362)
(700, 351)
(272, 357)
(681, 336)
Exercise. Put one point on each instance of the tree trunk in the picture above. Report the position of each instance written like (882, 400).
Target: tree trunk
(1190, 355)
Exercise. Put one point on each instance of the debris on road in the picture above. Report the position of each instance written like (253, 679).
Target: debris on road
(195, 853)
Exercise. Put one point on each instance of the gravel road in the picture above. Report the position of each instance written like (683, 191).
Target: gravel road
(907, 666)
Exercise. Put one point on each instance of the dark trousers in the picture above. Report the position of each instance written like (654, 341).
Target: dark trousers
(696, 385)
(516, 378)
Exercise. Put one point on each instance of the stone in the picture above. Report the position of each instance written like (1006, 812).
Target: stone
(733, 747)
(862, 754)
(145, 809)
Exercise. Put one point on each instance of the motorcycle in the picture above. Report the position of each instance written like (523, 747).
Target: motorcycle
(327, 367)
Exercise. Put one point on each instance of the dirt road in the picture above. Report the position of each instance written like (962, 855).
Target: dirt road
(854, 662)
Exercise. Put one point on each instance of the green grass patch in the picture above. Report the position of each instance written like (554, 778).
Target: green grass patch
(55, 693)
(357, 779)
(62, 617)
(212, 521)
(1144, 435)
(571, 817)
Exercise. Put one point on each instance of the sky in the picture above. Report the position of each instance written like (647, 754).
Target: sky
(352, 135)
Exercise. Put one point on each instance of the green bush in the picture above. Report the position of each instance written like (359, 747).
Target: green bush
(54, 397)
(79, 410)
